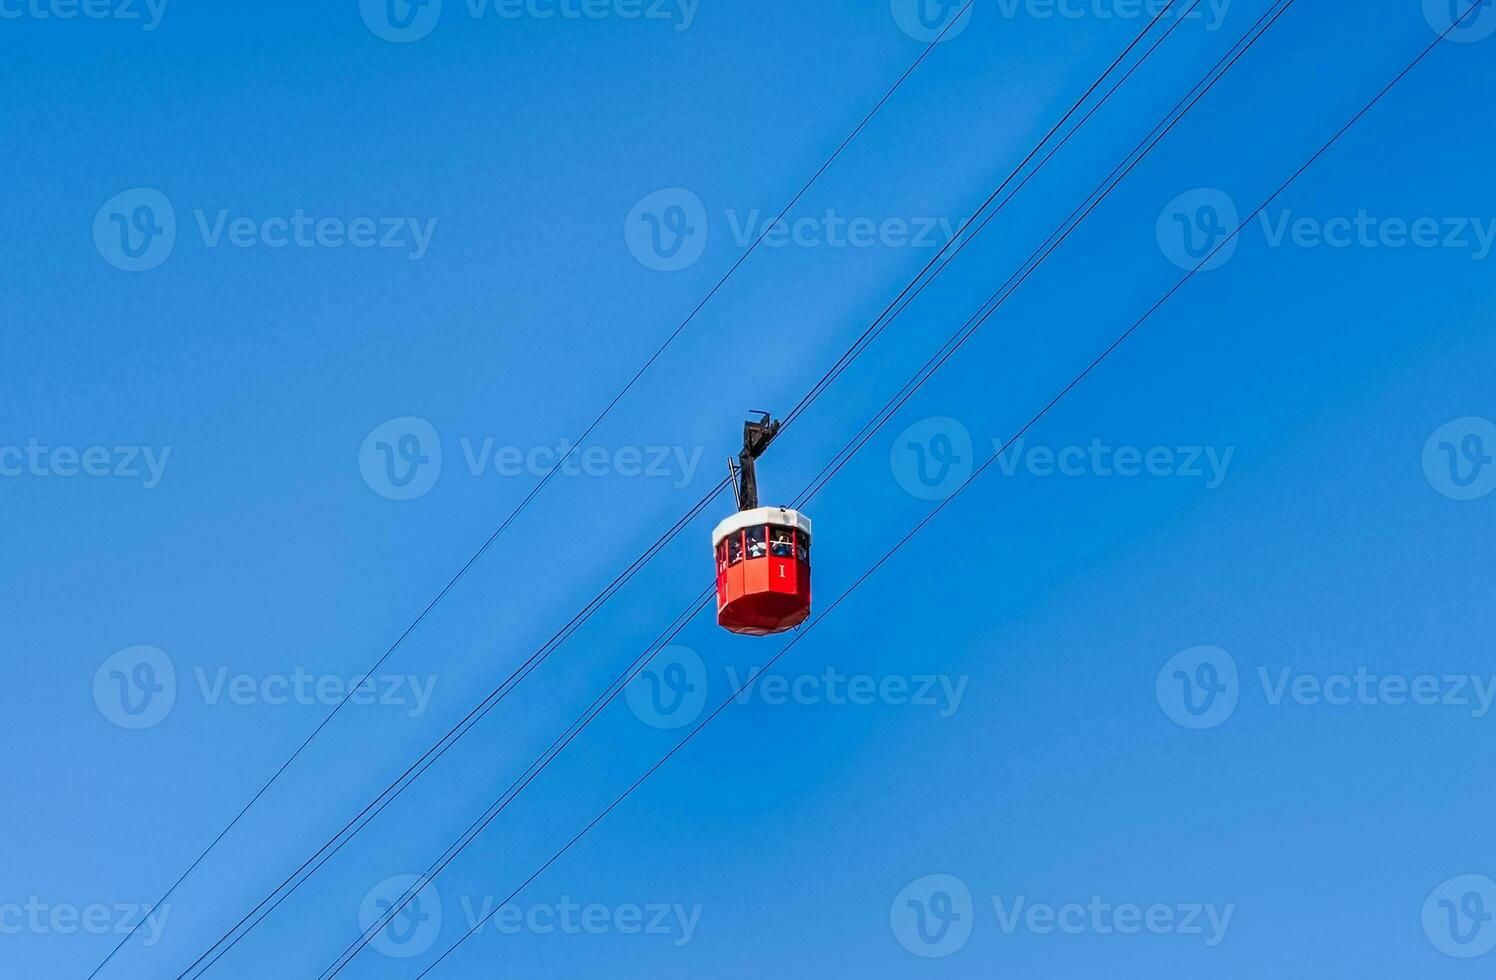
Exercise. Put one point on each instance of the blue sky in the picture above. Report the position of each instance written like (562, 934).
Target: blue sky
(1193, 683)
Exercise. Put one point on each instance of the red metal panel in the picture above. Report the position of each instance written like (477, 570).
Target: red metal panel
(756, 575)
(735, 588)
(761, 596)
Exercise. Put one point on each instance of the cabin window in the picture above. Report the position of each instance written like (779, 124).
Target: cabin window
(722, 553)
(756, 546)
(781, 542)
(735, 548)
(802, 546)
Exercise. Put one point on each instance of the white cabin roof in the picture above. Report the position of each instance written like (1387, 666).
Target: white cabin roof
(782, 516)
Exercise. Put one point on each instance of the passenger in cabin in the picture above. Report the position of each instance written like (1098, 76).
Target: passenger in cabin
(780, 544)
(756, 547)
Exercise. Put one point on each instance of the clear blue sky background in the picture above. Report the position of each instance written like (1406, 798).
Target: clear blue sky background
(1059, 599)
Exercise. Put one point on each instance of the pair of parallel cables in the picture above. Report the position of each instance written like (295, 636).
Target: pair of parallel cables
(926, 371)
(900, 302)
(977, 472)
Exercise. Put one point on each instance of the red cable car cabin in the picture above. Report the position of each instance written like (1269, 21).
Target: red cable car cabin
(763, 570)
